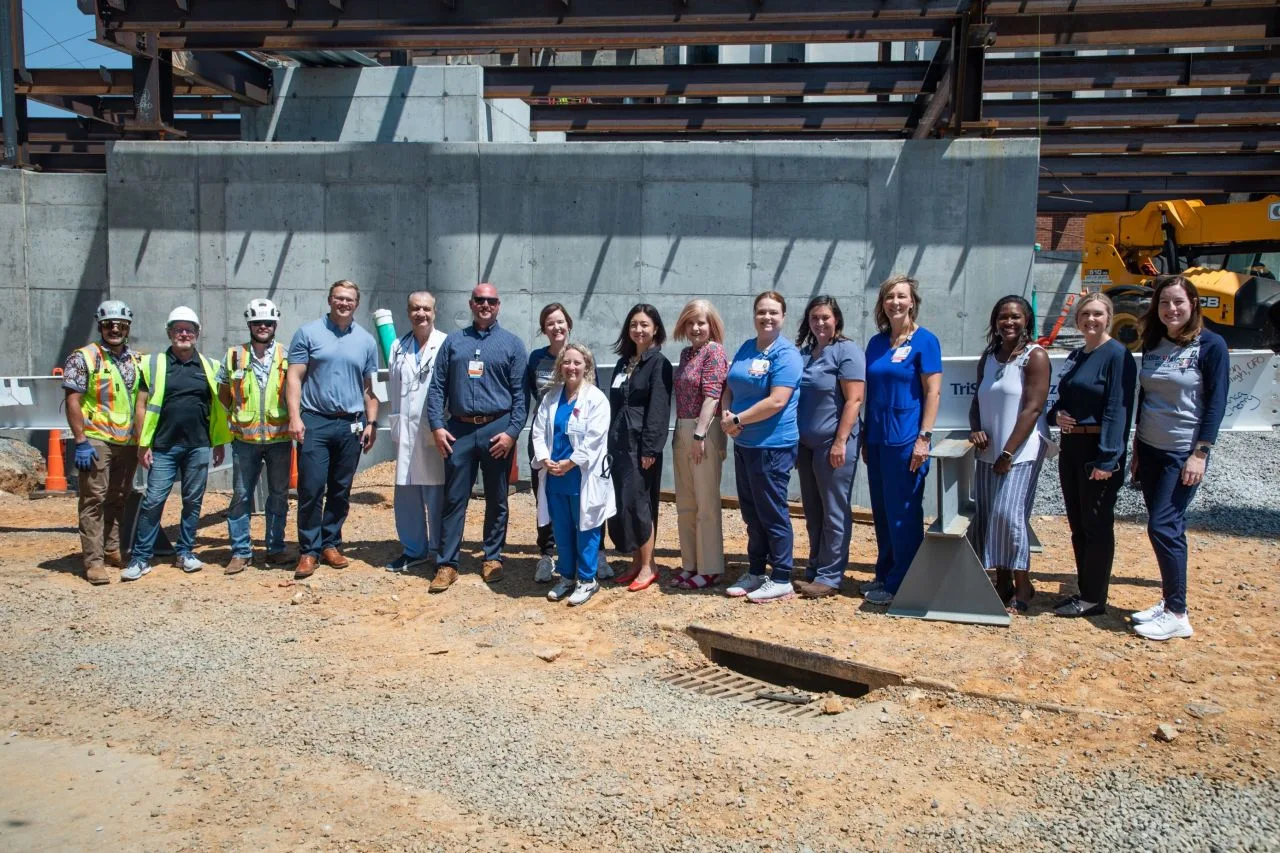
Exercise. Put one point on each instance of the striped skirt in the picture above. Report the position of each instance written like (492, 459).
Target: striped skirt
(1004, 501)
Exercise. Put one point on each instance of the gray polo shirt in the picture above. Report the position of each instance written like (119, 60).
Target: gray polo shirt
(337, 363)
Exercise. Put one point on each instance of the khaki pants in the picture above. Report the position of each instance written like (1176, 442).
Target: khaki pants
(103, 491)
(698, 499)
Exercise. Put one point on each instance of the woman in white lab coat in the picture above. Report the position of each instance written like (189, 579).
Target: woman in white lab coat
(419, 493)
(571, 448)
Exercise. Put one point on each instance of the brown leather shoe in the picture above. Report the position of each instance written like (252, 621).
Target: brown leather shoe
(306, 567)
(491, 571)
(114, 558)
(445, 576)
(333, 558)
(815, 590)
(97, 574)
(278, 558)
(236, 566)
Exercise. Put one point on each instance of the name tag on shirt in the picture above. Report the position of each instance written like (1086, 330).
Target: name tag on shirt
(475, 369)
(900, 354)
(618, 379)
(576, 426)
(759, 367)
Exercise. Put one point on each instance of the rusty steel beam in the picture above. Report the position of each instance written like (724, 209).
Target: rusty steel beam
(1168, 165)
(1201, 26)
(64, 130)
(1130, 112)
(1187, 185)
(116, 109)
(89, 81)
(1054, 73)
(717, 118)
(227, 74)
(1163, 140)
(1087, 7)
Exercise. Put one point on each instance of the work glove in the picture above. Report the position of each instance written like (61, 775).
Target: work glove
(85, 455)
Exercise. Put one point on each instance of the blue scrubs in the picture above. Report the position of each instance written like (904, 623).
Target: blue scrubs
(892, 411)
(765, 452)
(577, 550)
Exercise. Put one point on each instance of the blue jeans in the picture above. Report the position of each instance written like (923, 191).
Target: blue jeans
(327, 463)
(418, 511)
(897, 508)
(247, 461)
(763, 476)
(471, 453)
(827, 495)
(578, 550)
(192, 465)
(1160, 473)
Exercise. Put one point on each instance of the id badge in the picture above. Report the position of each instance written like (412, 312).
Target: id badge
(238, 375)
(759, 367)
(475, 369)
(618, 379)
(576, 426)
(355, 427)
(901, 353)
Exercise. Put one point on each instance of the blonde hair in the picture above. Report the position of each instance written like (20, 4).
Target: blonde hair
(882, 319)
(1096, 296)
(693, 309)
(588, 375)
(344, 282)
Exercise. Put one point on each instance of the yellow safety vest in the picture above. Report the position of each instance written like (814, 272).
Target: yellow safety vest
(107, 403)
(154, 368)
(261, 418)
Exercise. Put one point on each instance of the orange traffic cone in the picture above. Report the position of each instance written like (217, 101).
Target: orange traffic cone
(55, 479)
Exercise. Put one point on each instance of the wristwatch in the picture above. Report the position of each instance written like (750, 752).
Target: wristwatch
(736, 421)
(373, 424)
(927, 435)
(1203, 451)
(697, 437)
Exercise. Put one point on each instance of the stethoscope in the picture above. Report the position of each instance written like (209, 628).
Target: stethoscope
(423, 369)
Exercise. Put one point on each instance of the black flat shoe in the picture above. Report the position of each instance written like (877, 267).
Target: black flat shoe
(1074, 608)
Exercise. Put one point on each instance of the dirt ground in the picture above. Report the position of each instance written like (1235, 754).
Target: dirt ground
(103, 746)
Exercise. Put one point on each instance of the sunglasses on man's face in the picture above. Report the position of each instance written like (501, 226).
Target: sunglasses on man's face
(260, 323)
(122, 325)
(485, 300)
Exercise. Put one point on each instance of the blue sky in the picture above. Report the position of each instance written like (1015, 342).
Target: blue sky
(57, 35)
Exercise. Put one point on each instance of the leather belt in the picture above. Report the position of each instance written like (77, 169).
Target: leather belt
(478, 420)
(1081, 430)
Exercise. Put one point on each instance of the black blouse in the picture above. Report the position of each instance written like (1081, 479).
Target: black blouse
(641, 405)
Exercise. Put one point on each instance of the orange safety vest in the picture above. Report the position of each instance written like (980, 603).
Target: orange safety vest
(257, 417)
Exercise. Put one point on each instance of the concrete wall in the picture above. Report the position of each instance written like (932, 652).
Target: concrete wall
(53, 266)
(405, 104)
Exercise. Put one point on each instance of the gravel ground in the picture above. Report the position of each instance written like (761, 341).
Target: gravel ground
(1240, 493)
(374, 716)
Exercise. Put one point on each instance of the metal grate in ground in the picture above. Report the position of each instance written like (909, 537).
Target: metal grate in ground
(726, 684)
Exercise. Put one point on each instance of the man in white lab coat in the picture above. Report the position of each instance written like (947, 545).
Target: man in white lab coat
(419, 495)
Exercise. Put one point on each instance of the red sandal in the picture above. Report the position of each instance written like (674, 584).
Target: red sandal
(702, 581)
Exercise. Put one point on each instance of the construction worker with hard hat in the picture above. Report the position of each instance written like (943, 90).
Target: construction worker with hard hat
(181, 426)
(251, 384)
(100, 381)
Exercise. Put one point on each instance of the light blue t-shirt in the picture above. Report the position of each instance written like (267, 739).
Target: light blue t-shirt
(752, 374)
(337, 362)
(822, 396)
(895, 396)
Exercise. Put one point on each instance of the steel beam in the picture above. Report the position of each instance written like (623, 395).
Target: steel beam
(227, 74)
(1054, 73)
(62, 130)
(1200, 26)
(1158, 165)
(116, 109)
(1162, 140)
(1188, 185)
(1131, 112)
(152, 89)
(716, 118)
(89, 81)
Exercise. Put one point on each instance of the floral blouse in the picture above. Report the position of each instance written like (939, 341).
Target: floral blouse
(701, 374)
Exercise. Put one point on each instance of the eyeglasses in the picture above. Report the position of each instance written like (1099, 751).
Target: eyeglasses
(485, 300)
(184, 332)
(115, 324)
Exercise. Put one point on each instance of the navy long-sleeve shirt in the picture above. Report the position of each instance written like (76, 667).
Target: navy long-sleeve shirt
(1096, 388)
(458, 388)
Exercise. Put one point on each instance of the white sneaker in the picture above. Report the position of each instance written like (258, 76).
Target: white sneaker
(1166, 626)
(870, 586)
(745, 584)
(188, 563)
(604, 571)
(546, 569)
(582, 592)
(769, 591)
(1149, 615)
(134, 570)
(561, 589)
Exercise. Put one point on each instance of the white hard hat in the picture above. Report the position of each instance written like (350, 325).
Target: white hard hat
(262, 309)
(114, 309)
(183, 314)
